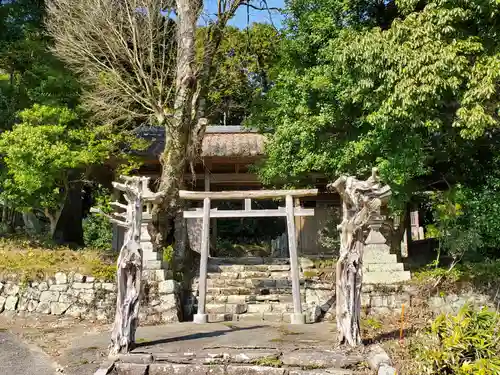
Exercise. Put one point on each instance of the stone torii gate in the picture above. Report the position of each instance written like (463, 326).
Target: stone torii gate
(289, 211)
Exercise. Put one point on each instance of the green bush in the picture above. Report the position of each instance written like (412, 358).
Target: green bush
(97, 232)
(462, 344)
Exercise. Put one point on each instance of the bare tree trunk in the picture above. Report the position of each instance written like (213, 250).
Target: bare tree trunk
(129, 271)
(361, 202)
(349, 278)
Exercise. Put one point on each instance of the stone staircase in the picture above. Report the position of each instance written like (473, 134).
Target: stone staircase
(249, 289)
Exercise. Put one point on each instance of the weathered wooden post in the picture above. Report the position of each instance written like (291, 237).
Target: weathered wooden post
(297, 317)
(201, 317)
(361, 202)
(129, 265)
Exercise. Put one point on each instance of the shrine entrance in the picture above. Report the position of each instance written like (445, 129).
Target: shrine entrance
(290, 211)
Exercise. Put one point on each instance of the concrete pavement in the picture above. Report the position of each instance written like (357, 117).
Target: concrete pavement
(17, 358)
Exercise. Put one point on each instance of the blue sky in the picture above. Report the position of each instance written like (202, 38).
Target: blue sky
(240, 19)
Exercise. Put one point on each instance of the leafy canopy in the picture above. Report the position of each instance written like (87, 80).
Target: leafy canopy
(41, 152)
(408, 86)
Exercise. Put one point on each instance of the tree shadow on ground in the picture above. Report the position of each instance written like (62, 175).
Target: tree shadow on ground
(194, 336)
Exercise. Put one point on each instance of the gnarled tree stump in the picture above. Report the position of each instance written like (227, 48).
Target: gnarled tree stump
(129, 265)
(361, 202)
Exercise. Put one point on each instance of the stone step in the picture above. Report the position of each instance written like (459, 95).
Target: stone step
(383, 267)
(250, 308)
(255, 317)
(252, 274)
(151, 255)
(156, 275)
(375, 256)
(245, 267)
(227, 291)
(251, 299)
(248, 261)
(226, 308)
(383, 277)
(263, 283)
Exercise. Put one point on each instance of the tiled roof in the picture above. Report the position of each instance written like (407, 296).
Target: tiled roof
(224, 141)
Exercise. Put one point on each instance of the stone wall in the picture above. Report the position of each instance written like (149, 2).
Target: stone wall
(85, 297)
(389, 299)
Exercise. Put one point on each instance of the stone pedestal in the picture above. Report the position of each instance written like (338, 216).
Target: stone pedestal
(152, 261)
(379, 265)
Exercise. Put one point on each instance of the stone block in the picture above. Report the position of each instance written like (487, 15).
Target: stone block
(254, 370)
(138, 358)
(255, 317)
(319, 358)
(67, 298)
(79, 286)
(222, 299)
(167, 287)
(87, 296)
(386, 370)
(78, 278)
(31, 293)
(259, 308)
(218, 317)
(376, 357)
(58, 308)
(378, 257)
(111, 287)
(1, 287)
(235, 299)
(185, 369)
(313, 313)
(59, 287)
(11, 289)
(168, 298)
(171, 316)
(272, 317)
(11, 303)
(89, 279)
(49, 296)
(253, 275)
(383, 267)
(32, 305)
(306, 263)
(131, 369)
(61, 278)
(386, 277)
(153, 264)
(76, 311)
(43, 286)
(279, 267)
(215, 308)
(43, 307)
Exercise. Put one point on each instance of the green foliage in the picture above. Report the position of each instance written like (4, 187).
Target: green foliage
(242, 74)
(484, 274)
(46, 153)
(29, 72)
(97, 230)
(168, 256)
(468, 343)
(410, 88)
(467, 220)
